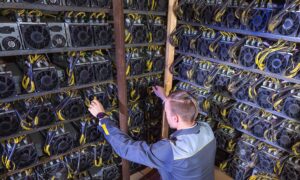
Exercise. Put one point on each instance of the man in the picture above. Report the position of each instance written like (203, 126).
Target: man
(189, 154)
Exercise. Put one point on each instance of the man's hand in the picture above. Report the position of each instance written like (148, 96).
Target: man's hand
(96, 107)
(159, 92)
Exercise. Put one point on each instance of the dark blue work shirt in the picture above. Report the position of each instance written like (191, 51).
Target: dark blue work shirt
(189, 154)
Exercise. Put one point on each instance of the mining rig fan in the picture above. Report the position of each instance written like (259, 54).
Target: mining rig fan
(278, 62)
(291, 168)
(139, 33)
(35, 36)
(221, 104)
(136, 116)
(291, 107)
(186, 68)
(186, 12)
(220, 83)
(267, 157)
(19, 153)
(158, 31)
(223, 49)
(260, 123)
(98, 93)
(80, 35)
(226, 138)
(242, 92)
(184, 44)
(202, 98)
(101, 3)
(206, 14)
(110, 172)
(105, 152)
(230, 20)
(102, 68)
(259, 127)
(79, 3)
(286, 135)
(239, 170)
(246, 148)
(45, 76)
(58, 140)
(289, 25)
(58, 35)
(161, 5)
(143, 88)
(238, 114)
(69, 107)
(54, 169)
(140, 5)
(80, 161)
(89, 131)
(9, 80)
(258, 19)
(263, 98)
(202, 46)
(10, 37)
(158, 62)
(202, 71)
(135, 4)
(35, 114)
(247, 56)
(136, 65)
(9, 122)
(152, 109)
(83, 71)
(102, 34)
(132, 90)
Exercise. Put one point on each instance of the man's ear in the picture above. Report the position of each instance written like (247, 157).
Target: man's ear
(176, 118)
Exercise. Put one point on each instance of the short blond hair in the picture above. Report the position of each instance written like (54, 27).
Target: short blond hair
(184, 105)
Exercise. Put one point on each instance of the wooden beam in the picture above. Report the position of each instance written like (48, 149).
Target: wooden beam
(170, 53)
(119, 33)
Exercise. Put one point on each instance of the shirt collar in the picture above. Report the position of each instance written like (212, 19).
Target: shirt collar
(192, 130)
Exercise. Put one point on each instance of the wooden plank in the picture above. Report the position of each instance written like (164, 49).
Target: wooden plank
(170, 53)
(118, 14)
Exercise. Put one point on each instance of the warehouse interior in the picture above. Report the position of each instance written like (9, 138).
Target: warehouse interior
(240, 60)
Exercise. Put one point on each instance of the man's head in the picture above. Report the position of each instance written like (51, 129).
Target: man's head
(181, 110)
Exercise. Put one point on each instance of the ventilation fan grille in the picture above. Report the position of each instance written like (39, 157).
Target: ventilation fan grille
(36, 36)
(81, 35)
(46, 79)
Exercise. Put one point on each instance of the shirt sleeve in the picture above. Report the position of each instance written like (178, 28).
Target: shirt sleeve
(158, 155)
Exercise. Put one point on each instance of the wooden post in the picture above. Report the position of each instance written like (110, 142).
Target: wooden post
(170, 53)
(119, 33)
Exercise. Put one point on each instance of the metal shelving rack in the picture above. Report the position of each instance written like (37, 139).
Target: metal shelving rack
(63, 89)
(52, 8)
(266, 35)
(53, 50)
(47, 159)
(292, 80)
(249, 104)
(132, 45)
(118, 13)
(173, 22)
